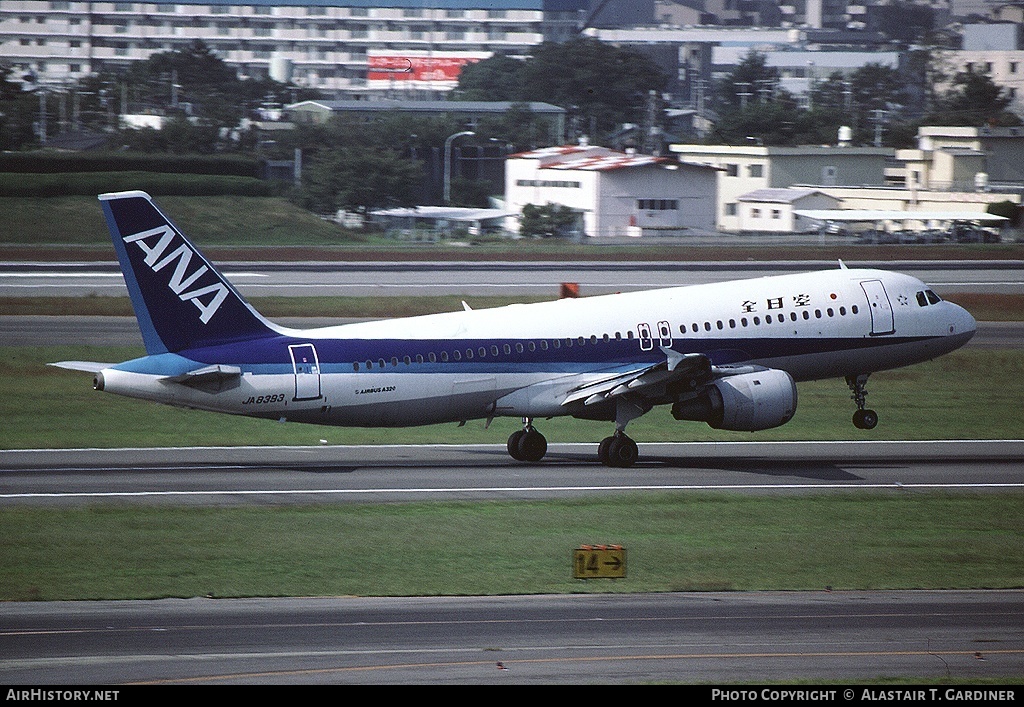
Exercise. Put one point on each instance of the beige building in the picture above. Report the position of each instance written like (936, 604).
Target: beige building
(744, 169)
(961, 159)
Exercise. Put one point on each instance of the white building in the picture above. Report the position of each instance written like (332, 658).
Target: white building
(338, 46)
(617, 193)
(773, 210)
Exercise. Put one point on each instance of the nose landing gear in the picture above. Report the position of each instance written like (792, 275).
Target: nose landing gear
(863, 419)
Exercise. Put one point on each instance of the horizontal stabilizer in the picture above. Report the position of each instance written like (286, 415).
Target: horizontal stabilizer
(87, 366)
(208, 375)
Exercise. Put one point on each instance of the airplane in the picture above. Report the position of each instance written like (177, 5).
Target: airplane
(728, 354)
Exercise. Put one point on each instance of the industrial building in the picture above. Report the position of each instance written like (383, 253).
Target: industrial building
(615, 193)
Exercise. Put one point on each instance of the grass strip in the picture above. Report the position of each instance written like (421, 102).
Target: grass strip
(674, 542)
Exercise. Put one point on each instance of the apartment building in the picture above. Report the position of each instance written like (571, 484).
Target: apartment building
(330, 45)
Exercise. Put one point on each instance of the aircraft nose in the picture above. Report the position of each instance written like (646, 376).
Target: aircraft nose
(961, 322)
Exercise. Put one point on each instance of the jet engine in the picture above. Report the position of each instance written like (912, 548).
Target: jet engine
(746, 402)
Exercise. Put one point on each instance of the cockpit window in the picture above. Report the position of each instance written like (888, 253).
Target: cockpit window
(922, 299)
(932, 297)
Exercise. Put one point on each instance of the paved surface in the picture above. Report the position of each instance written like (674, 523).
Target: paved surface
(701, 638)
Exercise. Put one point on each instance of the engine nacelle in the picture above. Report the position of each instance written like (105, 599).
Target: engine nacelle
(747, 402)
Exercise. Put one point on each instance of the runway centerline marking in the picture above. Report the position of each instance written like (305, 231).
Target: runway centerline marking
(506, 489)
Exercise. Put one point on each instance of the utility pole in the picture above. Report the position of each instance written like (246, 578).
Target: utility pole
(878, 118)
(743, 92)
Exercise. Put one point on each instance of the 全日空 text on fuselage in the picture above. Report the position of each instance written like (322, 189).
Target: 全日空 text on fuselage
(609, 357)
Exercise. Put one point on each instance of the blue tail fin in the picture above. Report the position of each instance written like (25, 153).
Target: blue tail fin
(179, 297)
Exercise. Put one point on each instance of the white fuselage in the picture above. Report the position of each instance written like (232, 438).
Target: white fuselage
(522, 360)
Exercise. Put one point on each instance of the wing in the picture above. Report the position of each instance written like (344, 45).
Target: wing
(651, 382)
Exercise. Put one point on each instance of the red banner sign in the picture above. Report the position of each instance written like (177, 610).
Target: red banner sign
(416, 68)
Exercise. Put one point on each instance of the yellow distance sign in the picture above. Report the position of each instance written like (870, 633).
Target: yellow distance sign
(599, 562)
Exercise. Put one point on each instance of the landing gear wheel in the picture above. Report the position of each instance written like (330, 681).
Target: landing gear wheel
(602, 450)
(513, 444)
(865, 419)
(527, 445)
(533, 446)
(618, 451)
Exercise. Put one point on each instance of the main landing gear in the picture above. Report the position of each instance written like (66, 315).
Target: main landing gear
(527, 444)
(618, 450)
(863, 419)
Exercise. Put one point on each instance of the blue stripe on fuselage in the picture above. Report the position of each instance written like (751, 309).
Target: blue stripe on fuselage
(271, 355)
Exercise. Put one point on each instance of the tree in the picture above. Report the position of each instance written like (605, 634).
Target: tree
(191, 82)
(752, 81)
(973, 100)
(359, 180)
(870, 94)
(498, 78)
(601, 85)
(18, 110)
(547, 221)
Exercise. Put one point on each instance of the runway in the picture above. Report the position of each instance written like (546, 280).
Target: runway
(243, 476)
(705, 639)
(362, 279)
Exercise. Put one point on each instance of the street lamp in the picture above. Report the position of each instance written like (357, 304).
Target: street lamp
(448, 163)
